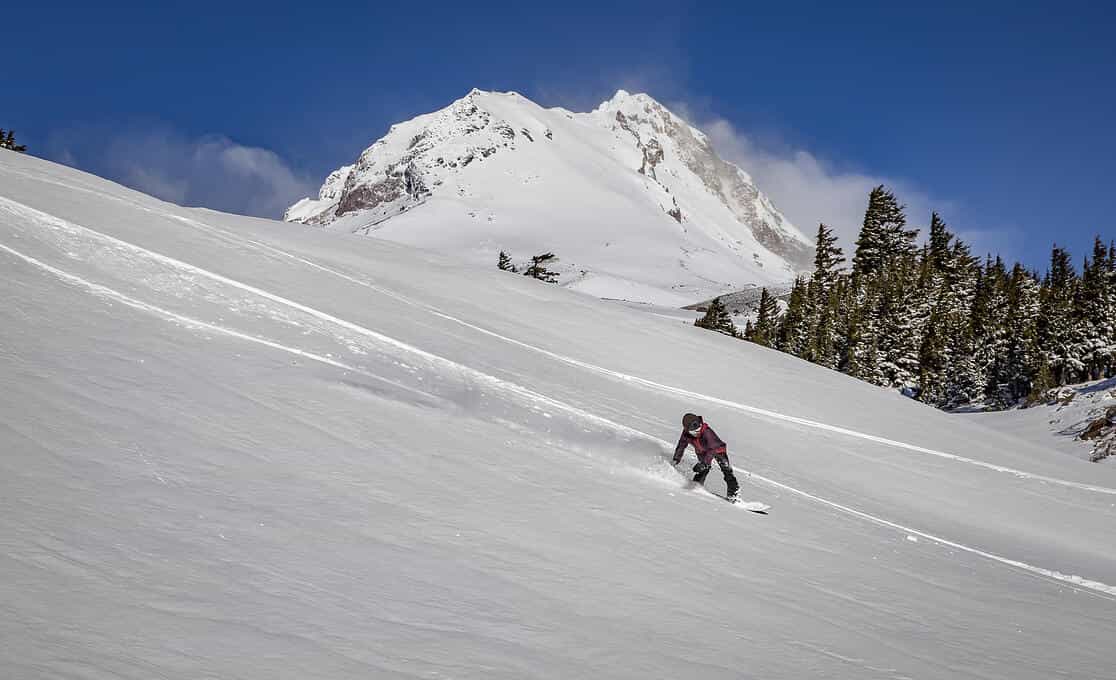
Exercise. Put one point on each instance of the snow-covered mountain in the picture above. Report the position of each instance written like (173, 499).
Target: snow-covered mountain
(239, 448)
(634, 200)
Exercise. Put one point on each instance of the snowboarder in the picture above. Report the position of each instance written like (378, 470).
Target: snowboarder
(708, 447)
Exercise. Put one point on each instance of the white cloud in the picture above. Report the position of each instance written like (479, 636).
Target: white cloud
(211, 171)
(809, 190)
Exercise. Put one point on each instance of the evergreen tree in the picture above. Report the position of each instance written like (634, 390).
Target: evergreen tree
(828, 257)
(861, 314)
(717, 318)
(824, 346)
(1094, 340)
(820, 307)
(883, 235)
(899, 321)
(950, 288)
(938, 320)
(793, 334)
(767, 317)
(1056, 327)
(940, 238)
(504, 263)
(538, 270)
(7, 141)
(1015, 367)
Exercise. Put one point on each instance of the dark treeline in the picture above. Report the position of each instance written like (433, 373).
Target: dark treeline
(939, 323)
(7, 141)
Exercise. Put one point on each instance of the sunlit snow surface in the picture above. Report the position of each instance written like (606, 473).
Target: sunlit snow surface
(634, 201)
(235, 448)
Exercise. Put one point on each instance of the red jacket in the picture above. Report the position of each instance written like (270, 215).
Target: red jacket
(706, 442)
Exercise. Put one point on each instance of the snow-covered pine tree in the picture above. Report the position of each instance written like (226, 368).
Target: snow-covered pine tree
(1056, 327)
(1093, 343)
(537, 269)
(504, 263)
(900, 320)
(7, 141)
(964, 383)
(944, 340)
(828, 258)
(793, 332)
(861, 311)
(883, 234)
(1014, 368)
(939, 243)
(933, 361)
(823, 295)
(992, 336)
(825, 347)
(717, 318)
(767, 318)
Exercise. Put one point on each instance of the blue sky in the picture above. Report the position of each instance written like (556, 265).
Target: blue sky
(999, 115)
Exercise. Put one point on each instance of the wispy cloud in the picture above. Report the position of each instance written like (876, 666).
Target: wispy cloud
(808, 189)
(211, 171)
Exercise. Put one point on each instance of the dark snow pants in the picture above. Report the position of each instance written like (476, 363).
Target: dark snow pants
(704, 465)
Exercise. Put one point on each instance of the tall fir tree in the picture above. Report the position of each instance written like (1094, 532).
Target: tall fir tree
(828, 258)
(822, 296)
(1056, 325)
(883, 235)
(793, 333)
(767, 318)
(717, 318)
(900, 320)
(1013, 370)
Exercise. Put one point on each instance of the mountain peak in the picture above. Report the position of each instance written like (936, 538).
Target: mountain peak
(623, 97)
(634, 199)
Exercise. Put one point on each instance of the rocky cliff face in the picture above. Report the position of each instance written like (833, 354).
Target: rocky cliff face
(495, 170)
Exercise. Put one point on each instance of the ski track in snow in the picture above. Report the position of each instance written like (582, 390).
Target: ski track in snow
(660, 387)
(1096, 588)
(600, 370)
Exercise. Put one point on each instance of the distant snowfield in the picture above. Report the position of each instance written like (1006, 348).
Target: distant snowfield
(238, 448)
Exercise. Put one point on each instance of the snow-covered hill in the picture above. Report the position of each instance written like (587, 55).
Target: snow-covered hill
(633, 199)
(236, 448)
(1079, 420)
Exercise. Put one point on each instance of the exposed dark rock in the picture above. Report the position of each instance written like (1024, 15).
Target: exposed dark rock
(504, 130)
(367, 196)
(676, 212)
(652, 156)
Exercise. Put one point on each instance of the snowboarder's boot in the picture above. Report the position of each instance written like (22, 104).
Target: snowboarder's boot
(701, 471)
(732, 487)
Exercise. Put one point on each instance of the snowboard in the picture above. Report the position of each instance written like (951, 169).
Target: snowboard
(753, 506)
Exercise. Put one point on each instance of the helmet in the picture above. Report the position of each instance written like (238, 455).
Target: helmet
(691, 422)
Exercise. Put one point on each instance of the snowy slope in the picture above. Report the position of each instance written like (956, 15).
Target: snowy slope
(1061, 422)
(634, 200)
(237, 448)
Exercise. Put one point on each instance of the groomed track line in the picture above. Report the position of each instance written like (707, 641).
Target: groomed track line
(1093, 587)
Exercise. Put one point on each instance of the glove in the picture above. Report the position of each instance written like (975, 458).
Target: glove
(676, 461)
